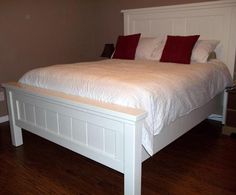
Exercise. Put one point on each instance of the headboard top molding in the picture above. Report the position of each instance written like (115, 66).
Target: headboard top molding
(190, 6)
(214, 20)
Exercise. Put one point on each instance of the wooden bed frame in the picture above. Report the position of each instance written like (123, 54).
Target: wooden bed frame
(111, 134)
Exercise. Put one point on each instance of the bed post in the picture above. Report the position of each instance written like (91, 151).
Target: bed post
(225, 101)
(133, 159)
(16, 133)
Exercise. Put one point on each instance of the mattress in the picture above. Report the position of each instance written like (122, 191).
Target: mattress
(166, 91)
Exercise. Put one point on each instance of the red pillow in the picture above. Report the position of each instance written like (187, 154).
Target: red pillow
(126, 46)
(178, 49)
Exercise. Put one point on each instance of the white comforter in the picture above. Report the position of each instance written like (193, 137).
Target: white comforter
(166, 91)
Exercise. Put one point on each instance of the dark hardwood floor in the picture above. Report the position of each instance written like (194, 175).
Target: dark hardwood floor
(201, 162)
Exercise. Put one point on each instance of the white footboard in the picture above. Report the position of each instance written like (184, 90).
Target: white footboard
(108, 134)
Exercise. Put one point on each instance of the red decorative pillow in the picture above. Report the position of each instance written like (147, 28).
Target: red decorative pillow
(178, 49)
(126, 46)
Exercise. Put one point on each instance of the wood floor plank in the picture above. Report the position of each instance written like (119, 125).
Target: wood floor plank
(202, 161)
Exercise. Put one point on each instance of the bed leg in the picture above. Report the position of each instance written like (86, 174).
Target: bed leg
(225, 101)
(16, 135)
(16, 132)
(133, 161)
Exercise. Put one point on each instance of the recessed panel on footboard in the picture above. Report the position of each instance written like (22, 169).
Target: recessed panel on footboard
(91, 135)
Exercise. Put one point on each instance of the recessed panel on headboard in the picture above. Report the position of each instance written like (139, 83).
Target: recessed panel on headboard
(212, 20)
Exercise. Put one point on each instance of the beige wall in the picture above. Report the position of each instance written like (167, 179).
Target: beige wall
(45, 32)
(39, 33)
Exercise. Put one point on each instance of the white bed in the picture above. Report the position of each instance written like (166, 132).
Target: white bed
(111, 134)
(166, 91)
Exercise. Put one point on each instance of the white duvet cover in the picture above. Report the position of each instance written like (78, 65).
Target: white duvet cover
(166, 91)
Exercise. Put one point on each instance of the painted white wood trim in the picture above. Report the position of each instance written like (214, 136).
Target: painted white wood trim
(128, 114)
(16, 132)
(225, 102)
(195, 18)
(182, 125)
(42, 115)
(4, 119)
(133, 162)
(189, 6)
(216, 117)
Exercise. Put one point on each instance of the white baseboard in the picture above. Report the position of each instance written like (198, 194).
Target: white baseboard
(216, 117)
(4, 119)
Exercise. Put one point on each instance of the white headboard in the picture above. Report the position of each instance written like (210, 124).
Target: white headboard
(212, 20)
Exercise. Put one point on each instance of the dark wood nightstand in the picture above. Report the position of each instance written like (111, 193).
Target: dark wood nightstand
(230, 125)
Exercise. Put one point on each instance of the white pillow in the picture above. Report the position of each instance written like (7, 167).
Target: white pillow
(202, 49)
(146, 47)
(157, 52)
